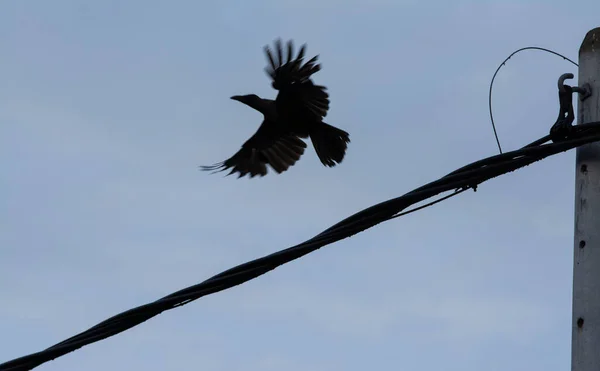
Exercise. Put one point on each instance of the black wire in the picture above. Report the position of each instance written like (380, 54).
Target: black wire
(498, 69)
(431, 203)
(466, 177)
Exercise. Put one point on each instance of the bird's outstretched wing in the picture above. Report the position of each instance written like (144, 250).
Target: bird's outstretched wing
(267, 146)
(298, 96)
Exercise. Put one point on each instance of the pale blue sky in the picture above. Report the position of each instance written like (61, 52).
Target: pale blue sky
(108, 107)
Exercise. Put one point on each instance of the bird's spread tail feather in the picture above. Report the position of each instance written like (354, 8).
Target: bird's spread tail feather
(330, 143)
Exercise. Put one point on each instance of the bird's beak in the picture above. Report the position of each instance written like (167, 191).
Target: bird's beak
(237, 97)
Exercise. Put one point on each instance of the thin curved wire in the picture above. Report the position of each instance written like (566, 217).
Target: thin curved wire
(498, 69)
(466, 177)
(457, 192)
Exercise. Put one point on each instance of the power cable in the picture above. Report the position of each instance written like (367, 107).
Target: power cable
(468, 176)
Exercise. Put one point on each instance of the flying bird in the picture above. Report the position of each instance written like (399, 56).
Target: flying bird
(297, 112)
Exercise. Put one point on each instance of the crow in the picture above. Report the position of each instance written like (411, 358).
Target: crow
(297, 112)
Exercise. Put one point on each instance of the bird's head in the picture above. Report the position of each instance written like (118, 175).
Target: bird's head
(254, 101)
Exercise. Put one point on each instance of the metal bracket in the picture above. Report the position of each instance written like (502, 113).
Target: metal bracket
(564, 123)
(584, 91)
(563, 126)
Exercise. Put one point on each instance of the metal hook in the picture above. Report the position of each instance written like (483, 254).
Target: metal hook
(561, 81)
(584, 92)
(564, 123)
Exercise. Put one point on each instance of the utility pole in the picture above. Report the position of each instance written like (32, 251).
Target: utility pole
(585, 346)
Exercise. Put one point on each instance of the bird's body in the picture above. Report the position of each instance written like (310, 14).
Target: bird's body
(297, 112)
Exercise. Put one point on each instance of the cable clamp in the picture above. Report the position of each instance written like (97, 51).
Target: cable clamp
(563, 126)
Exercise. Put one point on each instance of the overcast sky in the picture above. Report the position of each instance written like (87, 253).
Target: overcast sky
(108, 107)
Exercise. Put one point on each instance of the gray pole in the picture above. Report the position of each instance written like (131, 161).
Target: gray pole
(585, 346)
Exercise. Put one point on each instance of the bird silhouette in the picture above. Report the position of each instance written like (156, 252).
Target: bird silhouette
(297, 112)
